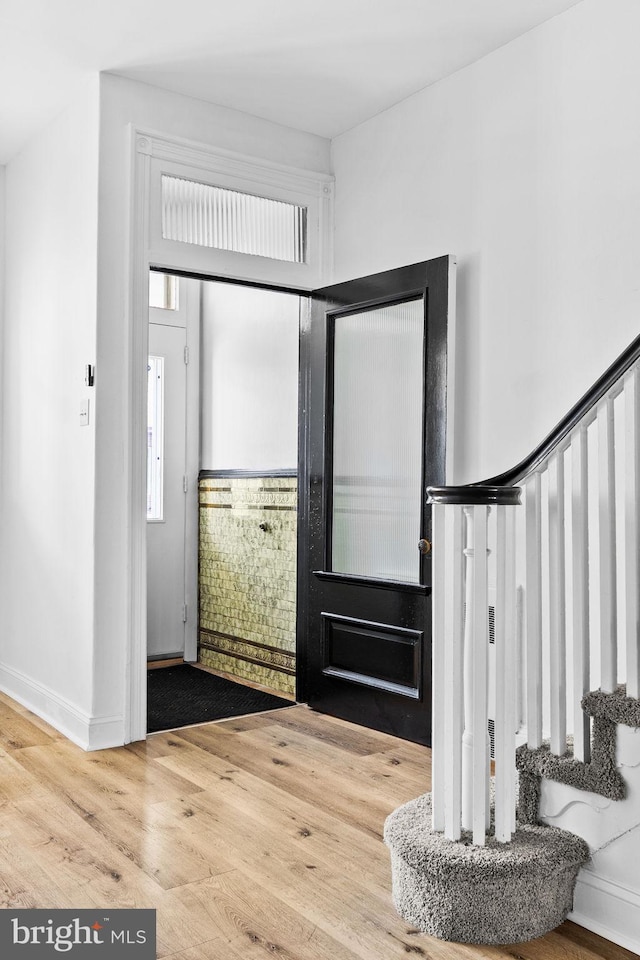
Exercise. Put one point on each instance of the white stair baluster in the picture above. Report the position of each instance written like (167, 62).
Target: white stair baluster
(520, 659)
(557, 634)
(533, 597)
(453, 670)
(505, 642)
(513, 666)
(440, 600)
(478, 616)
(607, 517)
(632, 538)
(467, 669)
(580, 584)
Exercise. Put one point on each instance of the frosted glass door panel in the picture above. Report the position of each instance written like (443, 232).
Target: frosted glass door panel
(377, 442)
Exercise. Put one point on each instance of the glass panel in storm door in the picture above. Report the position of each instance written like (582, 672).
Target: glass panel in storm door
(377, 442)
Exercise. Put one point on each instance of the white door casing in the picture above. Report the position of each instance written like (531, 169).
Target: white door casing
(147, 150)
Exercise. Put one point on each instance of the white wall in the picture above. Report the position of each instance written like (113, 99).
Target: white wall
(2, 296)
(2, 219)
(249, 371)
(524, 165)
(46, 573)
(124, 102)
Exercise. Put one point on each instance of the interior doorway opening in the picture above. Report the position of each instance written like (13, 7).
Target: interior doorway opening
(222, 459)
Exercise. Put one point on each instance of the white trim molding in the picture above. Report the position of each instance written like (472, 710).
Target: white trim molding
(608, 909)
(87, 732)
(450, 466)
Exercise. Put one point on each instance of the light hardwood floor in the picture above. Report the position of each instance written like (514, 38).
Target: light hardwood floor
(254, 838)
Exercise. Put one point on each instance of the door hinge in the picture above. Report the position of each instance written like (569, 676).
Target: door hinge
(186, 354)
(185, 483)
(184, 613)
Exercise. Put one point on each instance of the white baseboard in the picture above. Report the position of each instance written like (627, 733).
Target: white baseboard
(105, 732)
(608, 909)
(90, 733)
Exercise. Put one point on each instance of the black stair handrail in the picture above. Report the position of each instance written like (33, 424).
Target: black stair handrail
(488, 491)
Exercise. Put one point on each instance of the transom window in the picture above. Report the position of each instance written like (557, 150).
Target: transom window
(211, 216)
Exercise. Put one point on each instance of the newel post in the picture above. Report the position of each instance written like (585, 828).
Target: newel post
(461, 746)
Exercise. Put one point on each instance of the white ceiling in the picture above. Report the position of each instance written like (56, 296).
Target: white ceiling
(316, 65)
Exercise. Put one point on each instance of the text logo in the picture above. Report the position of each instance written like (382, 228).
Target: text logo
(105, 933)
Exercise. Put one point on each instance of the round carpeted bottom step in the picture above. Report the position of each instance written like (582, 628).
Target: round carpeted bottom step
(499, 893)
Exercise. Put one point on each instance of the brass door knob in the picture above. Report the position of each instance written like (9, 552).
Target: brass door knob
(424, 546)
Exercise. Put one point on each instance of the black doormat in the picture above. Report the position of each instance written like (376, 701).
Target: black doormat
(181, 695)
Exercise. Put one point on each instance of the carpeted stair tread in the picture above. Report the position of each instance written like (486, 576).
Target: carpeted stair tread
(409, 830)
(616, 707)
(499, 893)
(181, 695)
(600, 775)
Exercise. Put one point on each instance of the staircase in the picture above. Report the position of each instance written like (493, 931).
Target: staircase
(536, 639)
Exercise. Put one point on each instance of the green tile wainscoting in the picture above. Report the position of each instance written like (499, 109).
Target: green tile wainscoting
(247, 580)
